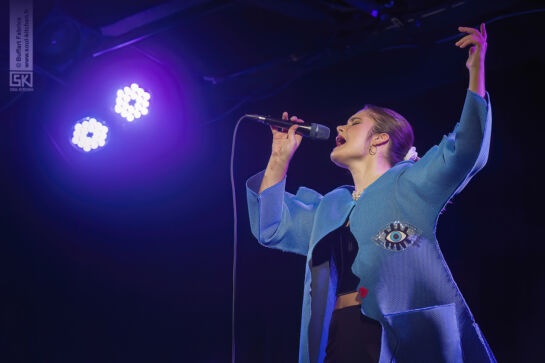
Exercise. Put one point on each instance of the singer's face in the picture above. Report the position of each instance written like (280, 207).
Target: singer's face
(355, 133)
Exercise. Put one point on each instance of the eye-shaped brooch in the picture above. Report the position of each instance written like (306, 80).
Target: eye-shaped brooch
(397, 236)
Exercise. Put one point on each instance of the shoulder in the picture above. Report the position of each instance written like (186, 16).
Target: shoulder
(403, 165)
(342, 188)
(311, 196)
(400, 168)
(308, 195)
(340, 194)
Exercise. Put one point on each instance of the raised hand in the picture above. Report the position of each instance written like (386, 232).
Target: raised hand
(477, 40)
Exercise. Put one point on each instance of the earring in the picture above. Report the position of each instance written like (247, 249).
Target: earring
(370, 152)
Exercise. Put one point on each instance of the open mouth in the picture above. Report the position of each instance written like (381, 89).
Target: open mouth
(340, 140)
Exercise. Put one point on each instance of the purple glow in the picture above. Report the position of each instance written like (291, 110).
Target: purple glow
(150, 154)
(89, 134)
(374, 13)
(132, 102)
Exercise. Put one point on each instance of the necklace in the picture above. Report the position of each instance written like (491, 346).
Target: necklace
(355, 195)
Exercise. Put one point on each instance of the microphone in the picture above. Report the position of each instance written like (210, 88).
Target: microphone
(314, 131)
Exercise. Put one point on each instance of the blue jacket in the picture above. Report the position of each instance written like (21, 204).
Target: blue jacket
(411, 291)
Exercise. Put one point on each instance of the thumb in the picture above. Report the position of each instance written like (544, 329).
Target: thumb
(291, 131)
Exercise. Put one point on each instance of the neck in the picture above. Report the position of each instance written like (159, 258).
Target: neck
(367, 171)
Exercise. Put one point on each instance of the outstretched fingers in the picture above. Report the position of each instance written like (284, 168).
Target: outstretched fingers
(465, 29)
(474, 36)
(472, 31)
(468, 39)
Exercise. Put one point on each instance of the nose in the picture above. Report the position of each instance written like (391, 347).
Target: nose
(339, 130)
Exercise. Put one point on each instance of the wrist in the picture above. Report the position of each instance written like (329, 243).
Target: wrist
(278, 163)
(477, 68)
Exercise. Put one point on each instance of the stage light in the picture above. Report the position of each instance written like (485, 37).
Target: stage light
(132, 102)
(89, 134)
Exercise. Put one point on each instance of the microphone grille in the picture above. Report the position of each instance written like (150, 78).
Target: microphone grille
(319, 132)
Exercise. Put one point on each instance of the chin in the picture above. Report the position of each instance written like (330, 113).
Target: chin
(336, 161)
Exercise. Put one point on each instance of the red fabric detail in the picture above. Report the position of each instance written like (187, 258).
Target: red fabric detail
(363, 292)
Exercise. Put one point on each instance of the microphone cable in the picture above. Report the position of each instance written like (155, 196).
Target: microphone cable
(235, 239)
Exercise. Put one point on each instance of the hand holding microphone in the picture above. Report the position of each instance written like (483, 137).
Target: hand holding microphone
(314, 131)
(284, 144)
(287, 136)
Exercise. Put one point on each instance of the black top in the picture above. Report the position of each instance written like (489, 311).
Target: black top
(339, 247)
(343, 254)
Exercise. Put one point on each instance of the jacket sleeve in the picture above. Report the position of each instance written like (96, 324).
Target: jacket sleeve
(446, 168)
(279, 219)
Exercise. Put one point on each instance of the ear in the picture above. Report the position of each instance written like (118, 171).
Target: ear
(382, 138)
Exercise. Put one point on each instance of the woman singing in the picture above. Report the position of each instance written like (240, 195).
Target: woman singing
(377, 288)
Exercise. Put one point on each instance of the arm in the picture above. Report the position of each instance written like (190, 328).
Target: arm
(446, 168)
(279, 219)
(476, 81)
(475, 59)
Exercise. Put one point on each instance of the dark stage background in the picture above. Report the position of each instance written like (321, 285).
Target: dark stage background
(126, 254)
